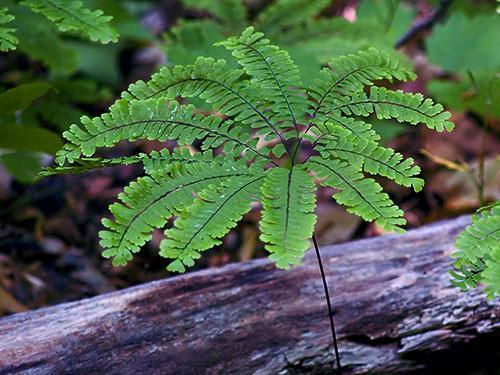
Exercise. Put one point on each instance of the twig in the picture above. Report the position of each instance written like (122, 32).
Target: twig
(424, 24)
(327, 296)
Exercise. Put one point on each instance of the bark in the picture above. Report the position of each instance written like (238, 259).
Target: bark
(394, 309)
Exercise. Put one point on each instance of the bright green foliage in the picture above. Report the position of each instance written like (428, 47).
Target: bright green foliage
(209, 191)
(288, 218)
(373, 158)
(152, 119)
(478, 252)
(362, 196)
(468, 47)
(72, 16)
(273, 71)
(209, 218)
(464, 43)
(7, 39)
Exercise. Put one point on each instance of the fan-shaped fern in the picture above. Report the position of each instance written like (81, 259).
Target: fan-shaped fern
(478, 252)
(264, 101)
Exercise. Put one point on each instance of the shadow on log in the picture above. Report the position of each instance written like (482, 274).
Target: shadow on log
(394, 309)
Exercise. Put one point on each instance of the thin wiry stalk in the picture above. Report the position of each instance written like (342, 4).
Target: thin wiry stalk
(329, 304)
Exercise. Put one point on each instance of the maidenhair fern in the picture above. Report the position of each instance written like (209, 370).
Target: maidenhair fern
(72, 16)
(8, 40)
(478, 252)
(67, 15)
(251, 150)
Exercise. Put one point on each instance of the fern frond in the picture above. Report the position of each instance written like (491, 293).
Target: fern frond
(373, 158)
(8, 41)
(210, 80)
(347, 75)
(359, 129)
(203, 224)
(288, 217)
(285, 13)
(40, 41)
(404, 107)
(362, 196)
(72, 16)
(153, 119)
(148, 202)
(273, 71)
(478, 252)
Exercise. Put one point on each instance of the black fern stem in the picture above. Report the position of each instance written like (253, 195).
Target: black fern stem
(327, 296)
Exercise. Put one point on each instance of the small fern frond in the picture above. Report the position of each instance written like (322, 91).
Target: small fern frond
(273, 71)
(288, 217)
(8, 41)
(347, 75)
(374, 159)
(153, 119)
(404, 107)
(362, 196)
(201, 225)
(478, 253)
(72, 16)
(148, 202)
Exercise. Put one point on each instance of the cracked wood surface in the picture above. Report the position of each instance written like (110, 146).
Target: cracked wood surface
(394, 309)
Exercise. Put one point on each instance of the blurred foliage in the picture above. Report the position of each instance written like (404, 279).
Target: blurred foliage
(311, 37)
(63, 59)
(467, 48)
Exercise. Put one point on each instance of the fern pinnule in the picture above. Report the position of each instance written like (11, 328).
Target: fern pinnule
(478, 252)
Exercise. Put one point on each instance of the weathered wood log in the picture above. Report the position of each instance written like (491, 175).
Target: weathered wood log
(394, 309)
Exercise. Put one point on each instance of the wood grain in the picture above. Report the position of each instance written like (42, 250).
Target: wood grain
(394, 309)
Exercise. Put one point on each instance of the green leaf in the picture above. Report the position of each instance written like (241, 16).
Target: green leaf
(478, 252)
(24, 138)
(19, 98)
(288, 217)
(72, 16)
(373, 158)
(271, 69)
(466, 96)
(153, 119)
(202, 225)
(464, 43)
(150, 201)
(39, 39)
(349, 74)
(387, 104)
(362, 196)
(24, 166)
(8, 41)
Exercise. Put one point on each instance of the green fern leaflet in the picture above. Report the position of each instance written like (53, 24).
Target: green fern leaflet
(478, 253)
(72, 16)
(7, 39)
(251, 150)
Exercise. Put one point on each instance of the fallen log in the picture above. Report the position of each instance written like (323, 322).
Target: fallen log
(394, 309)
